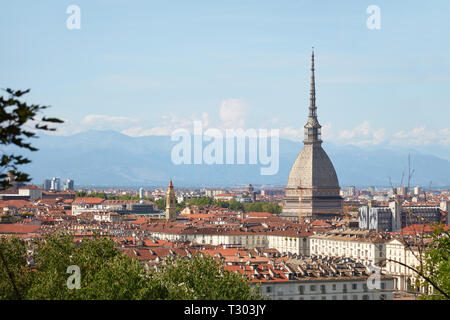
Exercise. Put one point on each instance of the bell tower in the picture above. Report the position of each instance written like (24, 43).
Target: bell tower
(171, 213)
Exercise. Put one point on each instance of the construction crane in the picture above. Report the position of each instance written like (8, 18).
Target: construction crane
(409, 173)
(429, 189)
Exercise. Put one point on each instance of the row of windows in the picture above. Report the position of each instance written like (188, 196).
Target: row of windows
(347, 243)
(344, 297)
(322, 288)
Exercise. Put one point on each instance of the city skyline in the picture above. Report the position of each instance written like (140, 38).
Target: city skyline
(224, 150)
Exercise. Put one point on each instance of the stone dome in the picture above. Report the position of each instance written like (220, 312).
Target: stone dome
(312, 168)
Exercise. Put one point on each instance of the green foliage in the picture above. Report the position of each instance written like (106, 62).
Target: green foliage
(107, 273)
(108, 197)
(235, 205)
(161, 203)
(203, 278)
(203, 201)
(14, 114)
(437, 265)
(15, 276)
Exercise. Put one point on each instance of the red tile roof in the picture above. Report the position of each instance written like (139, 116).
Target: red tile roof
(16, 203)
(88, 200)
(420, 228)
(259, 215)
(18, 228)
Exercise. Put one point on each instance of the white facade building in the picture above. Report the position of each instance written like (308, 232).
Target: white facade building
(369, 252)
(398, 255)
(326, 289)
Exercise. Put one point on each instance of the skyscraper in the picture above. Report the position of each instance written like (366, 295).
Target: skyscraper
(47, 184)
(69, 184)
(312, 190)
(55, 184)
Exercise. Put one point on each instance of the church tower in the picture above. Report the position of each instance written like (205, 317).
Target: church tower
(171, 214)
(312, 190)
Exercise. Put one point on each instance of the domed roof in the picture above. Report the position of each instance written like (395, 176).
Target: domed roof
(312, 168)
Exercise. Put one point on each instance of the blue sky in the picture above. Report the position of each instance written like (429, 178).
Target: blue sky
(149, 67)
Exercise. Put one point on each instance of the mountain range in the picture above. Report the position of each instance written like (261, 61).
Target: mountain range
(109, 158)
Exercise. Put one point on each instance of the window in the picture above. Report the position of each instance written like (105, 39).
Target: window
(322, 288)
(313, 298)
(334, 287)
(354, 286)
(334, 298)
(355, 297)
(268, 289)
(383, 285)
(344, 289)
(365, 297)
(344, 297)
(382, 297)
(301, 289)
(324, 298)
(312, 288)
(365, 287)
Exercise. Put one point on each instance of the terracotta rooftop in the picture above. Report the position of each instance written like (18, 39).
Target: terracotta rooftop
(18, 228)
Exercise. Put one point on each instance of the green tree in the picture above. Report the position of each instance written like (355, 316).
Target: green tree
(161, 203)
(14, 116)
(15, 275)
(203, 278)
(202, 201)
(107, 273)
(436, 267)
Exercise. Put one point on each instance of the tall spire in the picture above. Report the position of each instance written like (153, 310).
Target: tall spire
(312, 103)
(312, 127)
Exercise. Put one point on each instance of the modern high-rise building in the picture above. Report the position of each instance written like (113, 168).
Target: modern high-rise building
(141, 193)
(69, 184)
(417, 190)
(351, 190)
(47, 184)
(55, 184)
(402, 191)
(312, 190)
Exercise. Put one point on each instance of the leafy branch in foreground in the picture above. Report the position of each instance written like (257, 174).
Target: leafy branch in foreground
(107, 273)
(436, 267)
(14, 115)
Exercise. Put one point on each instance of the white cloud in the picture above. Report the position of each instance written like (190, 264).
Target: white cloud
(233, 113)
(140, 132)
(292, 133)
(93, 122)
(361, 135)
(422, 136)
(297, 134)
(99, 120)
(168, 124)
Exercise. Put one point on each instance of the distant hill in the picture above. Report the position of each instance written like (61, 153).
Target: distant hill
(107, 158)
